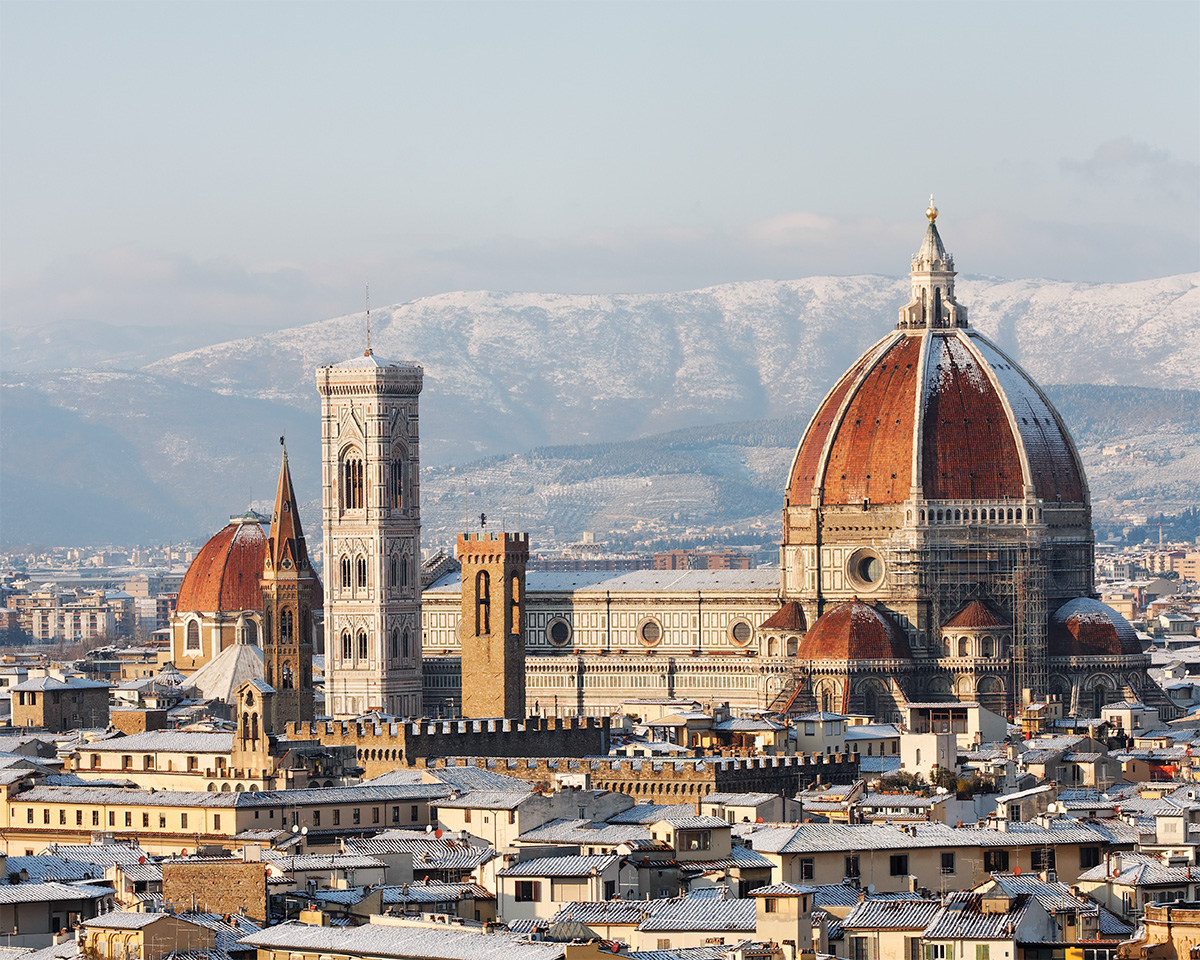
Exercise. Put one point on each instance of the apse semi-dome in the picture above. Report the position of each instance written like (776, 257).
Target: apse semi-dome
(226, 574)
(854, 630)
(938, 411)
(1088, 628)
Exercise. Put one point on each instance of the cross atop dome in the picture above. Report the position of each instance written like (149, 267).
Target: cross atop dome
(932, 271)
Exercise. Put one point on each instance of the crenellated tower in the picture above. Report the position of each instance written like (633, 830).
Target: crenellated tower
(290, 592)
(372, 523)
(493, 623)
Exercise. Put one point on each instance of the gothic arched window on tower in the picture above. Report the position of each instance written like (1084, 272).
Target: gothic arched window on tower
(346, 584)
(483, 604)
(515, 587)
(362, 571)
(398, 483)
(395, 642)
(352, 482)
(404, 571)
(405, 652)
(362, 645)
(347, 646)
(286, 625)
(286, 676)
(393, 571)
(193, 635)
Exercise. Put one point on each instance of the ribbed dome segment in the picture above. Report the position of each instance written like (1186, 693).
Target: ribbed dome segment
(789, 617)
(226, 573)
(985, 431)
(977, 615)
(1088, 628)
(854, 631)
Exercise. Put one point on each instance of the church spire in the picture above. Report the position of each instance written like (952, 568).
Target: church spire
(932, 272)
(286, 544)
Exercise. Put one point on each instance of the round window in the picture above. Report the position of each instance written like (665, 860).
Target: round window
(558, 632)
(865, 569)
(741, 632)
(651, 632)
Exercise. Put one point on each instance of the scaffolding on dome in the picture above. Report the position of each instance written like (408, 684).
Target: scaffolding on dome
(960, 563)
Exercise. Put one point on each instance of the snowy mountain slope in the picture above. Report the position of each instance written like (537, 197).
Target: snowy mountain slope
(506, 371)
(179, 445)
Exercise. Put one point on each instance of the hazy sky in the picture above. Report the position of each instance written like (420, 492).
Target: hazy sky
(253, 163)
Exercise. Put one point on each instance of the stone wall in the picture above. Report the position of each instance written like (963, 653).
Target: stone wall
(384, 748)
(134, 720)
(219, 886)
(674, 781)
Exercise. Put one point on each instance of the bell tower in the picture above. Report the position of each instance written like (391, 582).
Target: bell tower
(290, 588)
(372, 521)
(493, 623)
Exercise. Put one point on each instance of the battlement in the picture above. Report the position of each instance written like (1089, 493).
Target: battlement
(670, 781)
(484, 537)
(383, 747)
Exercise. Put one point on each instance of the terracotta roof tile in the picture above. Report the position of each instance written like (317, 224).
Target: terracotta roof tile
(978, 614)
(788, 617)
(225, 574)
(854, 631)
(1088, 628)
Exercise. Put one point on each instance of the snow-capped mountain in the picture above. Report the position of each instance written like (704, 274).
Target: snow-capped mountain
(170, 449)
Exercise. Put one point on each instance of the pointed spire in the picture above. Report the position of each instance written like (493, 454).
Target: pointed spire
(932, 272)
(287, 538)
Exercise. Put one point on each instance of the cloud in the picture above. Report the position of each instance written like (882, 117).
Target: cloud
(1124, 159)
(797, 226)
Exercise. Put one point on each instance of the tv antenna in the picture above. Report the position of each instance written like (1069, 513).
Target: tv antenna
(368, 353)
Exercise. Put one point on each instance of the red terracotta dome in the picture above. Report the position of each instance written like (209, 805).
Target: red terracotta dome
(854, 631)
(984, 430)
(978, 615)
(225, 574)
(1088, 628)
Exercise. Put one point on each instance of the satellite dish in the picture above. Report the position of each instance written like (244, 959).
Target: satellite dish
(870, 888)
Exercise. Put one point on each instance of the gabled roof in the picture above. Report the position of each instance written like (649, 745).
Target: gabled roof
(560, 867)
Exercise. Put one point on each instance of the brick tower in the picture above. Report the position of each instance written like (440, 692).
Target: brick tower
(372, 522)
(493, 623)
(289, 590)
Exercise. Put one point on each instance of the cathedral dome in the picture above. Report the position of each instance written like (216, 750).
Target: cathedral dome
(935, 411)
(854, 631)
(226, 573)
(1088, 628)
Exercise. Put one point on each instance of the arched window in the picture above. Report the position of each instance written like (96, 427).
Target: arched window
(286, 676)
(1099, 698)
(286, 631)
(362, 571)
(405, 652)
(393, 571)
(193, 635)
(483, 604)
(346, 583)
(404, 571)
(962, 646)
(395, 642)
(251, 631)
(254, 726)
(989, 647)
(362, 645)
(245, 726)
(398, 483)
(516, 605)
(347, 646)
(352, 482)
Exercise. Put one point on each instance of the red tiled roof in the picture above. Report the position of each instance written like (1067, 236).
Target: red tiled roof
(1088, 628)
(977, 614)
(226, 572)
(788, 617)
(854, 631)
(969, 447)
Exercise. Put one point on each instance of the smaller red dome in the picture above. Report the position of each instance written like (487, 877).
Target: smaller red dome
(977, 615)
(1088, 628)
(225, 576)
(854, 631)
(789, 618)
